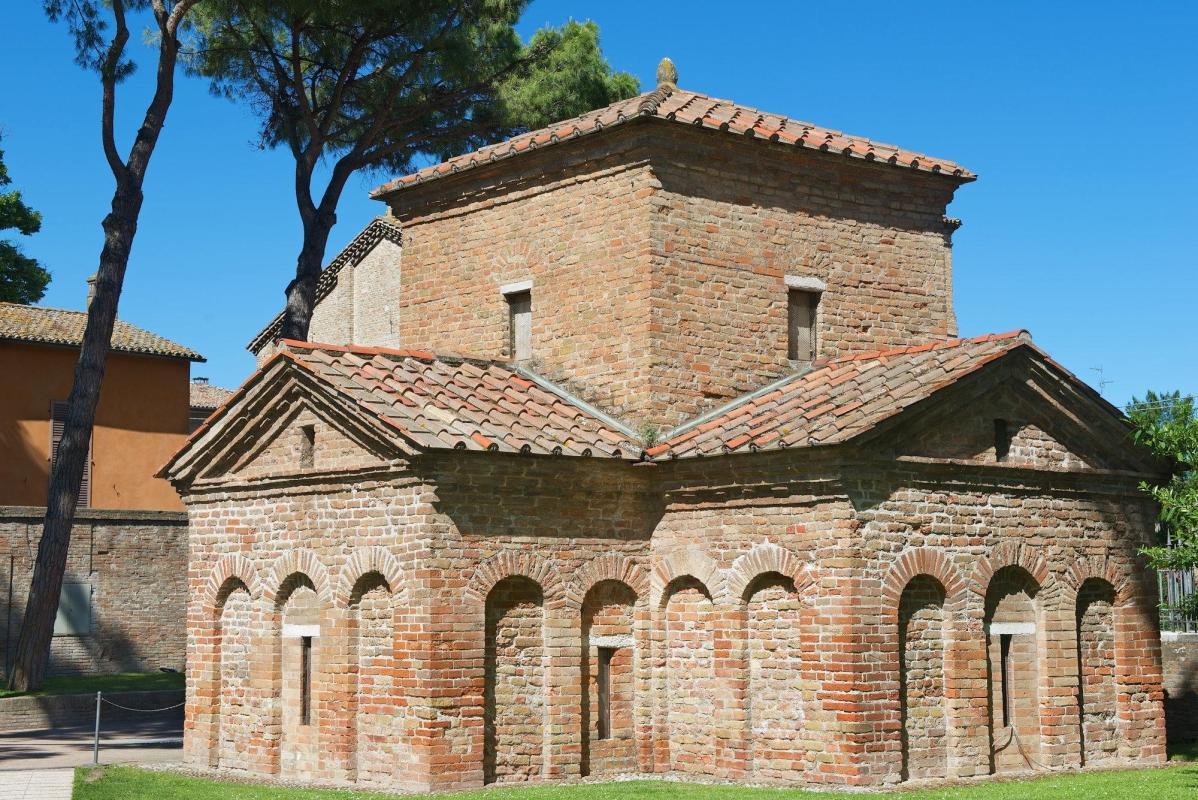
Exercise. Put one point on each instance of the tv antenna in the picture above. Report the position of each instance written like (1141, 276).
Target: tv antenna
(1103, 382)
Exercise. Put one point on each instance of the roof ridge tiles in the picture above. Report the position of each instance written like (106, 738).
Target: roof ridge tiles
(397, 352)
(1019, 333)
(717, 113)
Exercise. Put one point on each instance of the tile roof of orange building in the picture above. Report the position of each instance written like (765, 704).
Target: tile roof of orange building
(688, 108)
(204, 395)
(60, 326)
(449, 402)
(835, 399)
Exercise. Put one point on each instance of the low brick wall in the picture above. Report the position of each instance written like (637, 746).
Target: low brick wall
(133, 564)
(1179, 652)
(69, 710)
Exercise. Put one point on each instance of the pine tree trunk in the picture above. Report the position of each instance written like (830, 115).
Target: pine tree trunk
(301, 292)
(37, 628)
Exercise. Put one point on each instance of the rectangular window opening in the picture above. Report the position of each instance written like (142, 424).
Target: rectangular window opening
(606, 654)
(305, 680)
(1004, 647)
(58, 424)
(801, 309)
(307, 445)
(519, 325)
(1002, 440)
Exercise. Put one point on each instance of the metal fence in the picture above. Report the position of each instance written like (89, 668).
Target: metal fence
(1175, 585)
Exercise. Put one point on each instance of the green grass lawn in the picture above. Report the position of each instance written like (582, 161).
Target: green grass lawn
(128, 783)
(119, 682)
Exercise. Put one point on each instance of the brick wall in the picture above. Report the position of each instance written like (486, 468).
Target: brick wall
(817, 616)
(364, 305)
(731, 219)
(576, 223)
(133, 563)
(1180, 654)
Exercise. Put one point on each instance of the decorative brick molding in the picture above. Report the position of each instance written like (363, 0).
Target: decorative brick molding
(681, 564)
(609, 567)
(762, 559)
(923, 561)
(1011, 554)
(363, 562)
(510, 563)
(236, 567)
(303, 561)
(1100, 568)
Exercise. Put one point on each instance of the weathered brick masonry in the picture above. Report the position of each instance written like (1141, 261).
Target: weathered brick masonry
(130, 563)
(913, 557)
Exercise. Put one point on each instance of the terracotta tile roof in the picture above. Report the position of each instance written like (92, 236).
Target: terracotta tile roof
(459, 403)
(835, 399)
(59, 326)
(688, 108)
(206, 396)
(379, 228)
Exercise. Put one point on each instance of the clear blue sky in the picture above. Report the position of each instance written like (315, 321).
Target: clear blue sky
(1080, 117)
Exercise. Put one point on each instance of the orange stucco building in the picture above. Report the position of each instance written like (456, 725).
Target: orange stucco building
(141, 420)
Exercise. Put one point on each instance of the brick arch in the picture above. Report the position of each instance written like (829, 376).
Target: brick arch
(366, 560)
(923, 561)
(1012, 554)
(1101, 568)
(301, 560)
(610, 567)
(510, 563)
(764, 558)
(682, 563)
(234, 566)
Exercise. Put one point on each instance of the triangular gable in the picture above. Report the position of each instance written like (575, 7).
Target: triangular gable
(859, 398)
(835, 400)
(407, 400)
(270, 403)
(1023, 409)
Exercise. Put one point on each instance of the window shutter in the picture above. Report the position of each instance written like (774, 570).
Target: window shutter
(58, 423)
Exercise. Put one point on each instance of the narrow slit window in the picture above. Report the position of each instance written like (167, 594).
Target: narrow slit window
(801, 342)
(1004, 660)
(305, 680)
(520, 325)
(603, 681)
(1002, 440)
(58, 424)
(307, 454)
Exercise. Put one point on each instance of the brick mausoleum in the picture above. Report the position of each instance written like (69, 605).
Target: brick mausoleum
(710, 489)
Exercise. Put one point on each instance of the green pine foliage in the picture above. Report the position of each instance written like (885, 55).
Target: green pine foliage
(377, 85)
(22, 279)
(1166, 423)
(570, 79)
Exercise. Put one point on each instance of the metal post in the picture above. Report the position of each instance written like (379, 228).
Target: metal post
(96, 737)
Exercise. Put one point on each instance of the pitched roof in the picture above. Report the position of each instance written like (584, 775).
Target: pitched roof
(459, 403)
(835, 399)
(688, 108)
(206, 396)
(59, 326)
(379, 228)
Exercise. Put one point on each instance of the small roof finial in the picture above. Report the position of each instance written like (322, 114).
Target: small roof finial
(667, 75)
